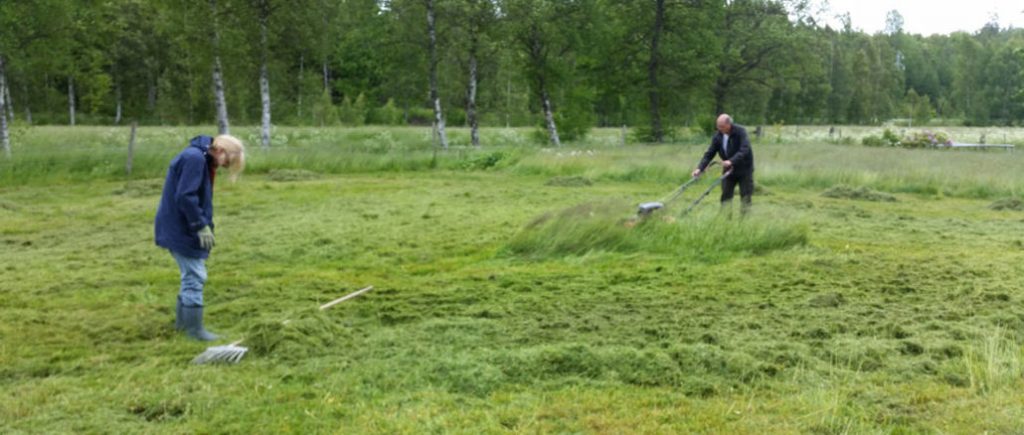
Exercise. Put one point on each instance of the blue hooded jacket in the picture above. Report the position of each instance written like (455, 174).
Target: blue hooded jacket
(187, 202)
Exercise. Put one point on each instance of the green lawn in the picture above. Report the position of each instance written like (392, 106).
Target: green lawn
(817, 314)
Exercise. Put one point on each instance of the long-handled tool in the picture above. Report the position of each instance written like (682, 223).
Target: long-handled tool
(233, 353)
(647, 208)
(706, 192)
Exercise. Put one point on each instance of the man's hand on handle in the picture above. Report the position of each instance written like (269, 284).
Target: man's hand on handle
(696, 173)
(726, 165)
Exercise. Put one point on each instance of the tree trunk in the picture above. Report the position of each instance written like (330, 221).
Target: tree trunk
(218, 79)
(131, 150)
(549, 116)
(264, 76)
(117, 111)
(71, 98)
(28, 107)
(719, 91)
(327, 75)
(434, 97)
(151, 95)
(652, 73)
(5, 138)
(474, 127)
(302, 69)
(538, 58)
(9, 101)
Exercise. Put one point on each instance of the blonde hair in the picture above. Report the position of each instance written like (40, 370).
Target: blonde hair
(235, 152)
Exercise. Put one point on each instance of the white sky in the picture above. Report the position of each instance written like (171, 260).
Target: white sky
(927, 17)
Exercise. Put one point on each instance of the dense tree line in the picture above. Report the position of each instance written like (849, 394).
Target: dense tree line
(561, 65)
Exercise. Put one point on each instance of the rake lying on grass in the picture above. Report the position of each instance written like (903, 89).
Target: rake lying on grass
(233, 353)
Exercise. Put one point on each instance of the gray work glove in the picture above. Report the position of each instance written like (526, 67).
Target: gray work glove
(206, 238)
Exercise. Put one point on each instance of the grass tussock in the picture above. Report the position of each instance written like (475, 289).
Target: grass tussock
(858, 193)
(1013, 204)
(610, 227)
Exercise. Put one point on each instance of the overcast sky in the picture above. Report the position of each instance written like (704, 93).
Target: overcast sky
(927, 17)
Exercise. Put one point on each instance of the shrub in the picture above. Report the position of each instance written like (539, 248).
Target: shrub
(388, 114)
(888, 138)
(926, 139)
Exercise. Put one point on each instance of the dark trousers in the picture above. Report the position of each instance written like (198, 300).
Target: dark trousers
(746, 183)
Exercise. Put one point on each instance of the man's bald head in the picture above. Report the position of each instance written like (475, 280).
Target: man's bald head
(724, 123)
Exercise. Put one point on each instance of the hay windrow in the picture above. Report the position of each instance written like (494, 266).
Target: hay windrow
(858, 193)
(1013, 204)
(283, 175)
(612, 227)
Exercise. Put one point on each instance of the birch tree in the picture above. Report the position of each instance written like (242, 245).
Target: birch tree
(435, 98)
(5, 138)
(264, 9)
(218, 76)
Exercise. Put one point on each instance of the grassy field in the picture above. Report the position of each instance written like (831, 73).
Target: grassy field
(872, 290)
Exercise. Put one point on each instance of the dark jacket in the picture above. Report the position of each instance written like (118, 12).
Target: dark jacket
(739, 152)
(187, 202)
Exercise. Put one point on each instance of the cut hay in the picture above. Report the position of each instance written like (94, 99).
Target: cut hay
(858, 193)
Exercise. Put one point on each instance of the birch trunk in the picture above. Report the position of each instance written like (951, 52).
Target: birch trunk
(327, 75)
(117, 111)
(9, 101)
(434, 97)
(474, 130)
(5, 138)
(264, 77)
(218, 79)
(549, 116)
(657, 133)
(71, 98)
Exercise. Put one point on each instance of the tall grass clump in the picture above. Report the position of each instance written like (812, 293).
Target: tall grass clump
(994, 363)
(610, 227)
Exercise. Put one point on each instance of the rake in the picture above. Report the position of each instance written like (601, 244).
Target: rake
(706, 192)
(645, 209)
(233, 353)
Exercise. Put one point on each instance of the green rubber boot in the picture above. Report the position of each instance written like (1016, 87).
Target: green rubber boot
(193, 323)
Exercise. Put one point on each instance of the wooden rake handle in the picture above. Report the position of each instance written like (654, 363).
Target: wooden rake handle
(345, 298)
(338, 301)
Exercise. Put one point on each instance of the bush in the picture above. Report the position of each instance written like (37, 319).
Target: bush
(420, 116)
(888, 138)
(927, 139)
(388, 114)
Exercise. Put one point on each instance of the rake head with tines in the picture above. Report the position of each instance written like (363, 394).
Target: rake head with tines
(227, 354)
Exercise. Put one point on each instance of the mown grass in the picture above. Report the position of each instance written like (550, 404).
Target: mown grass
(814, 314)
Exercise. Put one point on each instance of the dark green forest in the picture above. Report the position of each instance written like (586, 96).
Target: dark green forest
(652, 65)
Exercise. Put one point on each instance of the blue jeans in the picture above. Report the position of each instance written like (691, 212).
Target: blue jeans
(193, 277)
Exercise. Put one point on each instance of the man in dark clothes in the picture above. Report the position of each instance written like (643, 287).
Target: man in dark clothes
(733, 146)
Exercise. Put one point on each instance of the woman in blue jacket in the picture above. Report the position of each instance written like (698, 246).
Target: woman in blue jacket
(184, 219)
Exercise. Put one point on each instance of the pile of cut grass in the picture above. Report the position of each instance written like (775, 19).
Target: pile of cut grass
(1014, 204)
(610, 227)
(858, 193)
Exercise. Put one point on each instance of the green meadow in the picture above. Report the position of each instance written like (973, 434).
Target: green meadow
(871, 290)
